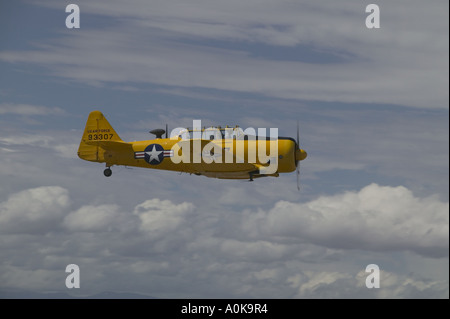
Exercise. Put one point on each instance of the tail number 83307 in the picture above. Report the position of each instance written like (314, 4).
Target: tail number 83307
(97, 137)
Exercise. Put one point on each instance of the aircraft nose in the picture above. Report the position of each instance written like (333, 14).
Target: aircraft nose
(300, 155)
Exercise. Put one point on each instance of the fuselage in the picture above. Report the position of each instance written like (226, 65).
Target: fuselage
(212, 164)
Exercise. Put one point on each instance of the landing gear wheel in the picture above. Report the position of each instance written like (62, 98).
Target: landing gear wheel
(107, 172)
(253, 173)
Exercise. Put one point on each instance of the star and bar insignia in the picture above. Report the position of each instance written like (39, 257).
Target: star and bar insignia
(153, 154)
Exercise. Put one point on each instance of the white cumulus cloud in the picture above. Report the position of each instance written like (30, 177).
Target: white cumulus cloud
(160, 217)
(374, 218)
(34, 210)
(92, 218)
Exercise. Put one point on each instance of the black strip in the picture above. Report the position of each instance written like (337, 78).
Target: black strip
(246, 137)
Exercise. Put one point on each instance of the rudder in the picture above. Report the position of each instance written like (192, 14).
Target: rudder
(97, 129)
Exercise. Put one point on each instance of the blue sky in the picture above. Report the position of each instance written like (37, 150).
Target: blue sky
(373, 111)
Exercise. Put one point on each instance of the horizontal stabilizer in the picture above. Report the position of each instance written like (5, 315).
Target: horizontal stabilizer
(114, 146)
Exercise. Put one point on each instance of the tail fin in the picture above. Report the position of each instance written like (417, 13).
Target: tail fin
(97, 129)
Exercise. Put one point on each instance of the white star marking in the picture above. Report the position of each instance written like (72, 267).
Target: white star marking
(154, 154)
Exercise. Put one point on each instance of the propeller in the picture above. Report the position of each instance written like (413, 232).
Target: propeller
(297, 162)
(299, 156)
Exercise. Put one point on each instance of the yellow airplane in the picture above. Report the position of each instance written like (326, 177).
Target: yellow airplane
(228, 153)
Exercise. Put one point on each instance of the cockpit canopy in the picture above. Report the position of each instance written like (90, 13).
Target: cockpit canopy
(212, 133)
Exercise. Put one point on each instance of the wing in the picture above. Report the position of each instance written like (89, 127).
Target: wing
(214, 159)
(113, 146)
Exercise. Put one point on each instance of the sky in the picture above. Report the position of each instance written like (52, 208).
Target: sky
(372, 106)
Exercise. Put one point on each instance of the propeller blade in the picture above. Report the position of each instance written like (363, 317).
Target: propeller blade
(297, 162)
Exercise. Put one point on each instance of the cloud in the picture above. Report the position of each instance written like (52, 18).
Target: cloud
(403, 62)
(163, 248)
(36, 210)
(28, 279)
(29, 110)
(312, 284)
(62, 143)
(255, 251)
(161, 217)
(27, 139)
(93, 218)
(374, 218)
